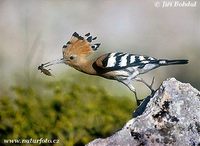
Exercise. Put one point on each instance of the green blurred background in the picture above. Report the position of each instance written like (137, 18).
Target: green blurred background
(73, 107)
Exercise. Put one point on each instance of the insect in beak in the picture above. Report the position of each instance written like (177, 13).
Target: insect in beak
(44, 71)
(47, 71)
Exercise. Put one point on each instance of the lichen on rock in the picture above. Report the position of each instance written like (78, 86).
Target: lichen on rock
(171, 117)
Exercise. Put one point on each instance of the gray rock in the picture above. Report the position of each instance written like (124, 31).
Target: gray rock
(171, 118)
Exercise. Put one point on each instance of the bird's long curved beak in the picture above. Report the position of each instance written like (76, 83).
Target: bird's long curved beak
(57, 61)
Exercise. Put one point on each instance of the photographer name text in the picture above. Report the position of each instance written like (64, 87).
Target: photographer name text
(175, 4)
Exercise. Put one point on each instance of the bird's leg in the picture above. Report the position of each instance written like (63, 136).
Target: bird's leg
(130, 86)
(152, 82)
(149, 86)
(137, 100)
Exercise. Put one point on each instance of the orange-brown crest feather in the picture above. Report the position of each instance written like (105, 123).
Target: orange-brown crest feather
(79, 45)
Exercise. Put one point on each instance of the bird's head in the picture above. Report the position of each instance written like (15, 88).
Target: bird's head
(78, 48)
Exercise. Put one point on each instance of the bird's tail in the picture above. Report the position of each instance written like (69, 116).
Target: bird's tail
(163, 62)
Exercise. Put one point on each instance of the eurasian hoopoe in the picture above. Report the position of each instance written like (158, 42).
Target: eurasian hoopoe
(123, 67)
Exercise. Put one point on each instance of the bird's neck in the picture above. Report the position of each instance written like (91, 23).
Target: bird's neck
(85, 66)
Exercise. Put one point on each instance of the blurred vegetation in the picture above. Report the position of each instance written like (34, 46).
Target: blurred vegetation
(74, 110)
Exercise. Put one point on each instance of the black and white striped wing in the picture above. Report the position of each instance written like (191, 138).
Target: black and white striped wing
(120, 61)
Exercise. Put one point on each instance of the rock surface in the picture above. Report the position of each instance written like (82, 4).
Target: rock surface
(172, 117)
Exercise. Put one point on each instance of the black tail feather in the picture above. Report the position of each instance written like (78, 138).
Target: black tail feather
(171, 62)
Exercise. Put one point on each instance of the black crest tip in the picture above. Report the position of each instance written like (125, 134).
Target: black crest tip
(95, 46)
(87, 34)
(80, 38)
(65, 46)
(98, 44)
(94, 38)
(89, 39)
(75, 34)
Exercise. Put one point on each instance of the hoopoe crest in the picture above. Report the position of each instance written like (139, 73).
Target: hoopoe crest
(78, 48)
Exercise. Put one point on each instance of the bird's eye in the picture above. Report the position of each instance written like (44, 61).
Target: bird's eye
(71, 57)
